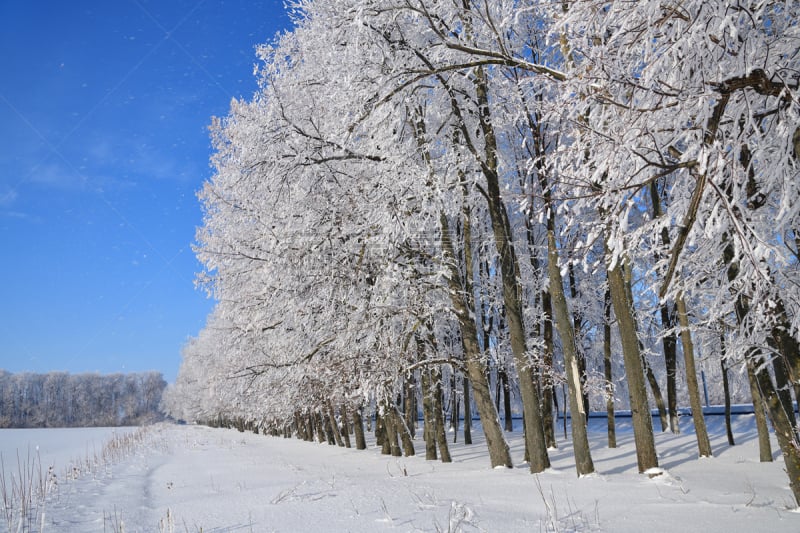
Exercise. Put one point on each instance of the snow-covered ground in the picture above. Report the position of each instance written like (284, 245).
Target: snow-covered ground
(193, 478)
(58, 446)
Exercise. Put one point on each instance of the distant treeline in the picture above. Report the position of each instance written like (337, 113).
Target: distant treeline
(59, 399)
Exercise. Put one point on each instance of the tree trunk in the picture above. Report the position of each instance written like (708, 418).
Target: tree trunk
(300, 426)
(509, 267)
(512, 294)
(454, 412)
(783, 385)
(505, 389)
(727, 392)
(786, 433)
(390, 423)
(410, 405)
(656, 390)
(438, 417)
(381, 434)
(658, 398)
(612, 430)
(758, 386)
(646, 456)
(784, 430)
(320, 425)
(345, 427)
(580, 440)
(498, 391)
(788, 346)
(473, 360)
(548, 397)
(577, 322)
(669, 342)
(467, 411)
(358, 425)
(310, 426)
(334, 427)
(564, 417)
(405, 435)
(544, 326)
(463, 307)
(742, 307)
(329, 428)
(703, 444)
(759, 410)
(428, 430)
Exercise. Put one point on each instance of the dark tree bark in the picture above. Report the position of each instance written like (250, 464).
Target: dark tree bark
(505, 390)
(410, 404)
(669, 341)
(320, 425)
(473, 360)
(543, 327)
(464, 309)
(566, 332)
(358, 425)
(310, 426)
(429, 428)
(440, 433)
(467, 412)
(759, 410)
(784, 431)
(669, 344)
(583, 457)
(549, 411)
(788, 346)
(509, 268)
(577, 321)
(703, 444)
(381, 434)
(345, 427)
(742, 307)
(405, 435)
(334, 427)
(646, 456)
(390, 423)
(658, 398)
(612, 430)
(454, 407)
(783, 384)
(300, 427)
(726, 389)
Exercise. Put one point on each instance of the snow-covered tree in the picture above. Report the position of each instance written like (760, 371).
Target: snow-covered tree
(425, 188)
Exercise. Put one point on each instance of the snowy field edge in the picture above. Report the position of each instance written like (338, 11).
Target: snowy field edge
(195, 478)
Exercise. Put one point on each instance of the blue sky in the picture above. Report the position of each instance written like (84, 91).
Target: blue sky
(104, 114)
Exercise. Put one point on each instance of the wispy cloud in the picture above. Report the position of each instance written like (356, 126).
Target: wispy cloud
(7, 196)
(19, 215)
(57, 176)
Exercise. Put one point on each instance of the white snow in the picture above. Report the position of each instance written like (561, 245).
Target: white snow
(192, 478)
(58, 446)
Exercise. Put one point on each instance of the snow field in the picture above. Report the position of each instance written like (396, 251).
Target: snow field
(194, 478)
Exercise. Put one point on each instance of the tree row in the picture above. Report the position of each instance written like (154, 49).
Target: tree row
(511, 196)
(59, 399)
